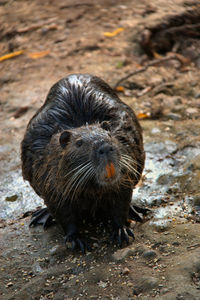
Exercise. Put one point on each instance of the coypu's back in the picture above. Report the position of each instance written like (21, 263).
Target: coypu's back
(72, 102)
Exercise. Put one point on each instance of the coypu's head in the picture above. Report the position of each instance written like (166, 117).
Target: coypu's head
(91, 153)
(91, 156)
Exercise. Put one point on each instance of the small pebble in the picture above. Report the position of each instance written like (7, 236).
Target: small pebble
(149, 254)
(9, 284)
(173, 116)
(123, 253)
(125, 271)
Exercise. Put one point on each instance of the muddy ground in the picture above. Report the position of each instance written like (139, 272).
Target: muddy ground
(63, 37)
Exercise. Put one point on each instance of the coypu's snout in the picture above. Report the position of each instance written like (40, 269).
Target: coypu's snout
(105, 152)
(107, 167)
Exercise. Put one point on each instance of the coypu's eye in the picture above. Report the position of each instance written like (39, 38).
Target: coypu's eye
(105, 125)
(79, 143)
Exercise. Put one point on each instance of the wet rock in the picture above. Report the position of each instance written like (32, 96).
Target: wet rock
(193, 164)
(176, 243)
(95, 245)
(178, 108)
(140, 249)
(102, 284)
(149, 254)
(174, 116)
(191, 111)
(164, 291)
(145, 284)
(123, 253)
(157, 200)
(125, 271)
(155, 130)
(196, 200)
(173, 189)
(54, 250)
(197, 95)
(95, 276)
(36, 268)
(12, 198)
(165, 179)
(161, 225)
(185, 296)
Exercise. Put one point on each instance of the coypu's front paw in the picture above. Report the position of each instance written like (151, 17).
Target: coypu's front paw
(76, 242)
(136, 213)
(122, 234)
(42, 217)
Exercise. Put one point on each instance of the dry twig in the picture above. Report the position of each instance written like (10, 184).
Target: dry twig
(76, 5)
(152, 63)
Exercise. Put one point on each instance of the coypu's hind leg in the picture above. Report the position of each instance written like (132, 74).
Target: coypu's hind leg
(42, 217)
(72, 236)
(120, 215)
(121, 232)
(135, 211)
(70, 221)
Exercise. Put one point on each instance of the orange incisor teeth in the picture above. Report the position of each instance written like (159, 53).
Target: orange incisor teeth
(110, 169)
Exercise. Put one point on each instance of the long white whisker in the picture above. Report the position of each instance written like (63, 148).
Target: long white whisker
(75, 181)
(128, 166)
(77, 185)
(130, 159)
(77, 168)
(83, 181)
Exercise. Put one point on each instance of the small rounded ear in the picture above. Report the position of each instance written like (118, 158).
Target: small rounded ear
(64, 138)
(105, 125)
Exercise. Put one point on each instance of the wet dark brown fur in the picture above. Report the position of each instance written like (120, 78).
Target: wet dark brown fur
(82, 128)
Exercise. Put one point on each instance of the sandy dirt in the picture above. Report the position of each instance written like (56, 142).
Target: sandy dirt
(63, 37)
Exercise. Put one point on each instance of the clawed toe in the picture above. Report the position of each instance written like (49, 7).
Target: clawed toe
(136, 213)
(42, 217)
(122, 235)
(141, 210)
(77, 243)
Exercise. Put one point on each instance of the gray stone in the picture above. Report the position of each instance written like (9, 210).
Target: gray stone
(174, 116)
(185, 296)
(196, 200)
(161, 225)
(37, 268)
(197, 95)
(193, 164)
(145, 284)
(123, 253)
(125, 271)
(149, 254)
(191, 110)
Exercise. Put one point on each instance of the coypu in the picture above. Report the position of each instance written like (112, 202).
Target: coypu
(83, 154)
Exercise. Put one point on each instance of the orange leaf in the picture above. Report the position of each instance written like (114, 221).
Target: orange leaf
(11, 55)
(157, 55)
(36, 55)
(142, 116)
(117, 31)
(120, 88)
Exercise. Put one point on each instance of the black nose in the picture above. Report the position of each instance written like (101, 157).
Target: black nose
(105, 149)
